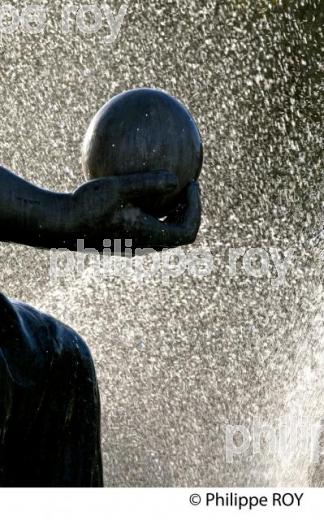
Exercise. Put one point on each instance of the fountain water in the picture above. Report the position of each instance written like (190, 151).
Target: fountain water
(178, 363)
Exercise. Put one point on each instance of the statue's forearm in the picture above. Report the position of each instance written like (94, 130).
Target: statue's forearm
(97, 210)
(31, 215)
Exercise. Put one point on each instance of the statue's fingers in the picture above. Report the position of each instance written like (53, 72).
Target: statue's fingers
(156, 183)
(188, 211)
(148, 231)
(192, 214)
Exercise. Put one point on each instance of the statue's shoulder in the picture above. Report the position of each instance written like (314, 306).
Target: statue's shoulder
(32, 341)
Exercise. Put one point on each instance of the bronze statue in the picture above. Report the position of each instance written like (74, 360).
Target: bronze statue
(49, 404)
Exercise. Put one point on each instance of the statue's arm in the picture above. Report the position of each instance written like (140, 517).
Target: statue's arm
(98, 210)
(29, 214)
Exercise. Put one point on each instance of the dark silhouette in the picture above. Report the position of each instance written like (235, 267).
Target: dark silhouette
(49, 399)
(49, 405)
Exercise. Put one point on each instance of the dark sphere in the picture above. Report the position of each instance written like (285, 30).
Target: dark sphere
(144, 130)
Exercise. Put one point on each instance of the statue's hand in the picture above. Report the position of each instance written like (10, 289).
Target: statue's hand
(105, 209)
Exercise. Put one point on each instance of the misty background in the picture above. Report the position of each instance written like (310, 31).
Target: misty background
(176, 364)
